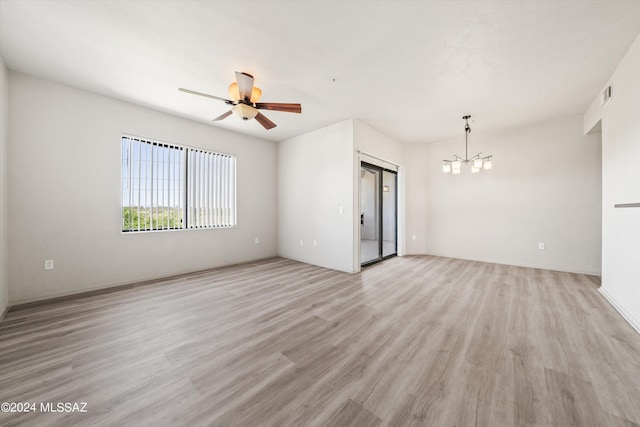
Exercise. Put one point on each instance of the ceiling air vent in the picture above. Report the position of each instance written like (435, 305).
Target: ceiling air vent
(606, 95)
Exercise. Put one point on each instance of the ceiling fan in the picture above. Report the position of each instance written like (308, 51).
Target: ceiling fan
(245, 97)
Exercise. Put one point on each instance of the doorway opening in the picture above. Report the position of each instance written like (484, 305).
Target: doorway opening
(378, 213)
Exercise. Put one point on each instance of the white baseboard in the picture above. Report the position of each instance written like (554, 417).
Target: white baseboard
(635, 324)
(515, 264)
(116, 285)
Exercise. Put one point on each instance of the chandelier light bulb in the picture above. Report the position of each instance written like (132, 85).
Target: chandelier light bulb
(475, 169)
(456, 171)
(456, 165)
(487, 164)
(446, 168)
(477, 163)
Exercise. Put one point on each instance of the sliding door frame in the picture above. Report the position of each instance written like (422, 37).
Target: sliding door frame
(380, 193)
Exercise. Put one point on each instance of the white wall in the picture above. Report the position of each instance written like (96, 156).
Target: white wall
(374, 142)
(64, 194)
(315, 176)
(318, 173)
(621, 184)
(4, 94)
(545, 186)
(592, 119)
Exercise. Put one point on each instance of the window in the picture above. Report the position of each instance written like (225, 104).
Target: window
(169, 187)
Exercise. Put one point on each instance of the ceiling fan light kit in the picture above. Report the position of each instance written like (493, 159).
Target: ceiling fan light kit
(244, 101)
(244, 111)
(478, 162)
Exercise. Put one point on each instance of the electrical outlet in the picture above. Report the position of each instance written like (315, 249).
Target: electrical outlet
(315, 243)
(48, 264)
(341, 210)
(301, 242)
(541, 246)
(257, 240)
(413, 237)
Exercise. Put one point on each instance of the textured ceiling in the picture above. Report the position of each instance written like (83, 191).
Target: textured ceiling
(410, 69)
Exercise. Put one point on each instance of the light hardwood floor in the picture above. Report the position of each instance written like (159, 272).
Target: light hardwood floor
(415, 340)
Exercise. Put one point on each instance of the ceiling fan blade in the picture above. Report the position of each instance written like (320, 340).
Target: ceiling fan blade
(222, 116)
(279, 106)
(245, 85)
(193, 92)
(265, 122)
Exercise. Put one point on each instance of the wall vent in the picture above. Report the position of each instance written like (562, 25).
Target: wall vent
(606, 95)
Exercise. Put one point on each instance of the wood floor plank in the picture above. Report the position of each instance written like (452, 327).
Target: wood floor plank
(412, 341)
(572, 401)
(353, 414)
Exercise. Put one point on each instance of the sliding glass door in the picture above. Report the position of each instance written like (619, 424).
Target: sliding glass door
(370, 236)
(378, 213)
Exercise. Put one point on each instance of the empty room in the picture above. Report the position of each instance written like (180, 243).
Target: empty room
(319, 213)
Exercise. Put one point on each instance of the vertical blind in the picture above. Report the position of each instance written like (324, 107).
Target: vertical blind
(212, 196)
(166, 187)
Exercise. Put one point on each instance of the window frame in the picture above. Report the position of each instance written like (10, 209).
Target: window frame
(184, 188)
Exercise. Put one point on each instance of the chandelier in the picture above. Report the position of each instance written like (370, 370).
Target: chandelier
(477, 162)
